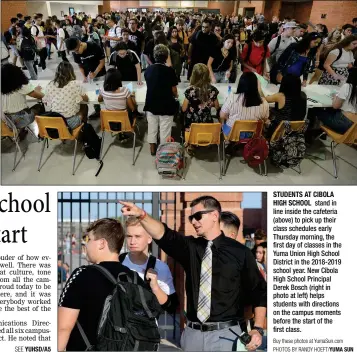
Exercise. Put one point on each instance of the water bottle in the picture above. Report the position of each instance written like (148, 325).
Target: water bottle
(229, 89)
(89, 79)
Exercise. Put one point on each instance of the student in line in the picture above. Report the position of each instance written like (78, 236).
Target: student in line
(149, 268)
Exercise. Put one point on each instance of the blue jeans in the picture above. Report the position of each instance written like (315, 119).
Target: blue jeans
(30, 65)
(335, 120)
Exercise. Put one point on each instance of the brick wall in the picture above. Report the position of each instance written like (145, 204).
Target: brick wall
(225, 7)
(10, 9)
(338, 13)
(123, 5)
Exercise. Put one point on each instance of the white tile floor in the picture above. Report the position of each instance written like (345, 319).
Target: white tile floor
(118, 169)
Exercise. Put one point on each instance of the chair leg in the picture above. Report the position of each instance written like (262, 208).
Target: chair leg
(74, 156)
(43, 149)
(219, 158)
(265, 168)
(334, 159)
(260, 170)
(101, 146)
(134, 139)
(13, 169)
(184, 164)
(224, 158)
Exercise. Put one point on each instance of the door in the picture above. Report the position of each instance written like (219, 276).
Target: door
(249, 11)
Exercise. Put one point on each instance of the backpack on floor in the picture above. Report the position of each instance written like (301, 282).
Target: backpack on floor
(128, 319)
(256, 151)
(169, 158)
(289, 150)
(92, 142)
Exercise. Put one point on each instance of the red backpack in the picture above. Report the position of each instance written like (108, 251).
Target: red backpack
(257, 148)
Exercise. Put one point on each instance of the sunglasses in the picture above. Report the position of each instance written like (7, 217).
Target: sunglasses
(198, 215)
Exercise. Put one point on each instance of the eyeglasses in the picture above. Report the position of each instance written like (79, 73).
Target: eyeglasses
(198, 215)
(206, 27)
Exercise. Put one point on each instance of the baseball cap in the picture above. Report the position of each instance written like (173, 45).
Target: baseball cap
(290, 25)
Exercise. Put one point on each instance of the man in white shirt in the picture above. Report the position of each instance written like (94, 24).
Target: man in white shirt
(61, 36)
(40, 39)
(114, 34)
(138, 259)
(281, 42)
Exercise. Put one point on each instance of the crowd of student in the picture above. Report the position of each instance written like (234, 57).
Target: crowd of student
(238, 286)
(212, 48)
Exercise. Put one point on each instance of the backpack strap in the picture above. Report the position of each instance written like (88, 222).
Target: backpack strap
(106, 273)
(84, 336)
(143, 302)
(339, 55)
(150, 265)
(276, 45)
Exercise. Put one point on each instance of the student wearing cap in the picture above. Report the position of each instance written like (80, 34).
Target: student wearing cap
(278, 44)
(215, 266)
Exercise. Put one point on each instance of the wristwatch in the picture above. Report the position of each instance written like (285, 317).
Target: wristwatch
(260, 330)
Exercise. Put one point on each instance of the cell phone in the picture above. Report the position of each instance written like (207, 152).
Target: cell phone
(244, 338)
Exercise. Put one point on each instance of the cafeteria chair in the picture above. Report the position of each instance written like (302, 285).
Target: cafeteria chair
(204, 135)
(235, 137)
(14, 136)
(280, 132)
(116, 122)
(350, 137)
(53, 128)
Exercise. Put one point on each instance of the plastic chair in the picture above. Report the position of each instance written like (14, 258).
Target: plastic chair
(56, 123)
(109, 116)
(350, 137)
(7, 132)
(235, 137)
(280, 132)
(203, 135)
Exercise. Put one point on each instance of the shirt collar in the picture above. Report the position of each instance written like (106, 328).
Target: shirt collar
(218, 240)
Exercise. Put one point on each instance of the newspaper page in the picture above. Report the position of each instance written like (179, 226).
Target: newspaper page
(309, 262)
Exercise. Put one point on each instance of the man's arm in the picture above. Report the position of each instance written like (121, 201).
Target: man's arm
(173, 243)
(154, 228)
(99, 68)
(67, 318)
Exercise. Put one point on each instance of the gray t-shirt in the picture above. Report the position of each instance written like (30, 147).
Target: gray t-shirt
(284, 43)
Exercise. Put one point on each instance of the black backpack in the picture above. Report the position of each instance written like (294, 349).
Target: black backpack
(28, 49)
(128, 320)
(37, 30)
(150, 265)
(8, 37)
(66, 35)
(92, 142)
(289, 150)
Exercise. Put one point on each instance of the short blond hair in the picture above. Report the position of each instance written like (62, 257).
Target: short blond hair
(132, 221)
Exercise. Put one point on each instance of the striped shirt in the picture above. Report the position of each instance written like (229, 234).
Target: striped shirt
(115, 101)
(234, 107)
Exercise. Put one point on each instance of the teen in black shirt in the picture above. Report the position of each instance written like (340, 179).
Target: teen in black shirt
(89, 57)
(136, 36)
(127, 62)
